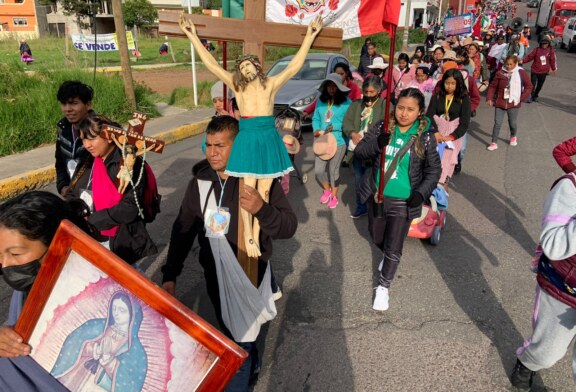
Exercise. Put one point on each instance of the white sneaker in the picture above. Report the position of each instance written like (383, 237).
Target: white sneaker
(492, 147)
(381, 299)
(277, 294)
(381, 265)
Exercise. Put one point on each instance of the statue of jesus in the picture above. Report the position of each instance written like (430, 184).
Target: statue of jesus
(258, 154)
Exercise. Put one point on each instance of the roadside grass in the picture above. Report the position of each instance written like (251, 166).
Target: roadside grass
(28, 107)
(50, 52)
(29, 110)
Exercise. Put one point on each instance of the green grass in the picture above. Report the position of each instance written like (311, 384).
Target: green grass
(50, 52)
(28, 107)
(29, 110)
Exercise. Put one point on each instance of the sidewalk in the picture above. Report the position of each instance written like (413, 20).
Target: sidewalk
(29, 170)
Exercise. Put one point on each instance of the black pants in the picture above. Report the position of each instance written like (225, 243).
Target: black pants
(537, 81)
(389, 233)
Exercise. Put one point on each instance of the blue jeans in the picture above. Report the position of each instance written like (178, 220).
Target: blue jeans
(464, 147)
(241, 380)
(359, 171)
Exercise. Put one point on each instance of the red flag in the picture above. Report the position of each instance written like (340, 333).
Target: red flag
(376, 16)
(391, 15)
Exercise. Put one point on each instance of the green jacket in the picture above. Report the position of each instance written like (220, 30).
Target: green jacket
(351, 121)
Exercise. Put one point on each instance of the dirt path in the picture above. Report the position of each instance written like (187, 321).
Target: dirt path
(163, 81)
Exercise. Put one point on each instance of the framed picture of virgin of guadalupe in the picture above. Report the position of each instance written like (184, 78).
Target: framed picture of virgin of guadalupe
(96, 324)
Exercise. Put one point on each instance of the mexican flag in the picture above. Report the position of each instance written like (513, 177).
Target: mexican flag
(357, 18)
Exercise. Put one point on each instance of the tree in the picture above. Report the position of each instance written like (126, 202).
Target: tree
(139, 13)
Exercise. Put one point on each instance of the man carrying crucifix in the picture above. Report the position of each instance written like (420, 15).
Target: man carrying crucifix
(258, 154)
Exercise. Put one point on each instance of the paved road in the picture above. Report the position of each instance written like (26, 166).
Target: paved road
(458, 310)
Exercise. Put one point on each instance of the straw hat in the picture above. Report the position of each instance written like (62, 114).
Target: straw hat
(378, 63)
(337, 80)
(292, 144)
(450, 55)
(325, 146)
(436, 46)
(467, 41)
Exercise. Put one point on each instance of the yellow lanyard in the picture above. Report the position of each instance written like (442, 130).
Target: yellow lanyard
(447, 104)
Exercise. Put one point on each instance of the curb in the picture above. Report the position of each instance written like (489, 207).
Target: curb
(33, 179)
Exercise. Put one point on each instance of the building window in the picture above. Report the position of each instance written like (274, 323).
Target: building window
(20, 21)
(19, 1)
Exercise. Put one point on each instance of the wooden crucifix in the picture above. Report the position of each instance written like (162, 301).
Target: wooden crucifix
(254, 92)
(253, 31)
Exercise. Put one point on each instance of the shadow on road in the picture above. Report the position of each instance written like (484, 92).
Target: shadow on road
(310, 352)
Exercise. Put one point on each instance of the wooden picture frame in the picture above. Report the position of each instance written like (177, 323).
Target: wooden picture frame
(76, 303)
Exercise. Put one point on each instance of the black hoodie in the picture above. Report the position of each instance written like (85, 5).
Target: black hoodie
(277, 221)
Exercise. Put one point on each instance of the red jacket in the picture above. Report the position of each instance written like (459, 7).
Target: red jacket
(496, 90)
(537, 66)
(562, 154)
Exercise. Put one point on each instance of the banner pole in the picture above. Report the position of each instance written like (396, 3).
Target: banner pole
(389, 83)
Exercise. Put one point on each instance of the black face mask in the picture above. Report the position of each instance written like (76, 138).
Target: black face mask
(21, 277)
(370, 99)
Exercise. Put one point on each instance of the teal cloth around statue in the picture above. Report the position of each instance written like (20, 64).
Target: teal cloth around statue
(258, 150)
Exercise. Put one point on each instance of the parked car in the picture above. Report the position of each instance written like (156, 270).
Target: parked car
(300, 91)
(532, 3)
(568, 39)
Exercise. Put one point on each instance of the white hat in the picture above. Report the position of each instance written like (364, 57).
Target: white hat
(379, 63)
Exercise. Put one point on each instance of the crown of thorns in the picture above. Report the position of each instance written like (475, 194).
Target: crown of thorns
(248, 57)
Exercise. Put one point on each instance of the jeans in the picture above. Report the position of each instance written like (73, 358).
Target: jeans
(537, 81)
(359, 170)
(499, 118)
(241, 380)
(464, 147)
(333, 165)
(389, 233)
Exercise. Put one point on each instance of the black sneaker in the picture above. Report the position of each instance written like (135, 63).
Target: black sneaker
(521, 377)
(534, 99)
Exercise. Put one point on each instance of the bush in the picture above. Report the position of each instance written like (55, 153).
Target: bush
(183, 97)
(29, 110)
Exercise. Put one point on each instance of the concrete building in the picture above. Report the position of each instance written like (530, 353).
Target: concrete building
(422, 13)
(18, 19)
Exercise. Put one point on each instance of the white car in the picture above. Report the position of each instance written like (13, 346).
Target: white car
(568, 39)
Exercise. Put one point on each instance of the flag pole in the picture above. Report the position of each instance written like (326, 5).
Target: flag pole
(389, 83)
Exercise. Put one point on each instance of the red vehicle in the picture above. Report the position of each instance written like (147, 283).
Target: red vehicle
(552, 15)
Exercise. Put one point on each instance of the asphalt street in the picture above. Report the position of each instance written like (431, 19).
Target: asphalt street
(457, 310)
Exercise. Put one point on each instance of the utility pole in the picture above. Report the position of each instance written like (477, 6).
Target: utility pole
(408, 11)
(123, 49)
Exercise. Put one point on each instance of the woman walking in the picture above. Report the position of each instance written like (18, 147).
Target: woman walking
(450, 111)
(117, 213)
(510, 87)
(28, 223)
(358, 119)
(543, 63)
(327, 122)
(413, 179)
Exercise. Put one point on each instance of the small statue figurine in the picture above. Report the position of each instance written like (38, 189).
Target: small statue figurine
(129, 154)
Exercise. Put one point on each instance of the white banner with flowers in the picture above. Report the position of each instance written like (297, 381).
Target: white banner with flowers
(335, 13)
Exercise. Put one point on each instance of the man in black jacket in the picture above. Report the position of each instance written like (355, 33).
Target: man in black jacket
(276, 217)
(76, 102)
(367, 59)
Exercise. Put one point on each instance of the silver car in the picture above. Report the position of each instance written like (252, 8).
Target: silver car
(300, 91)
